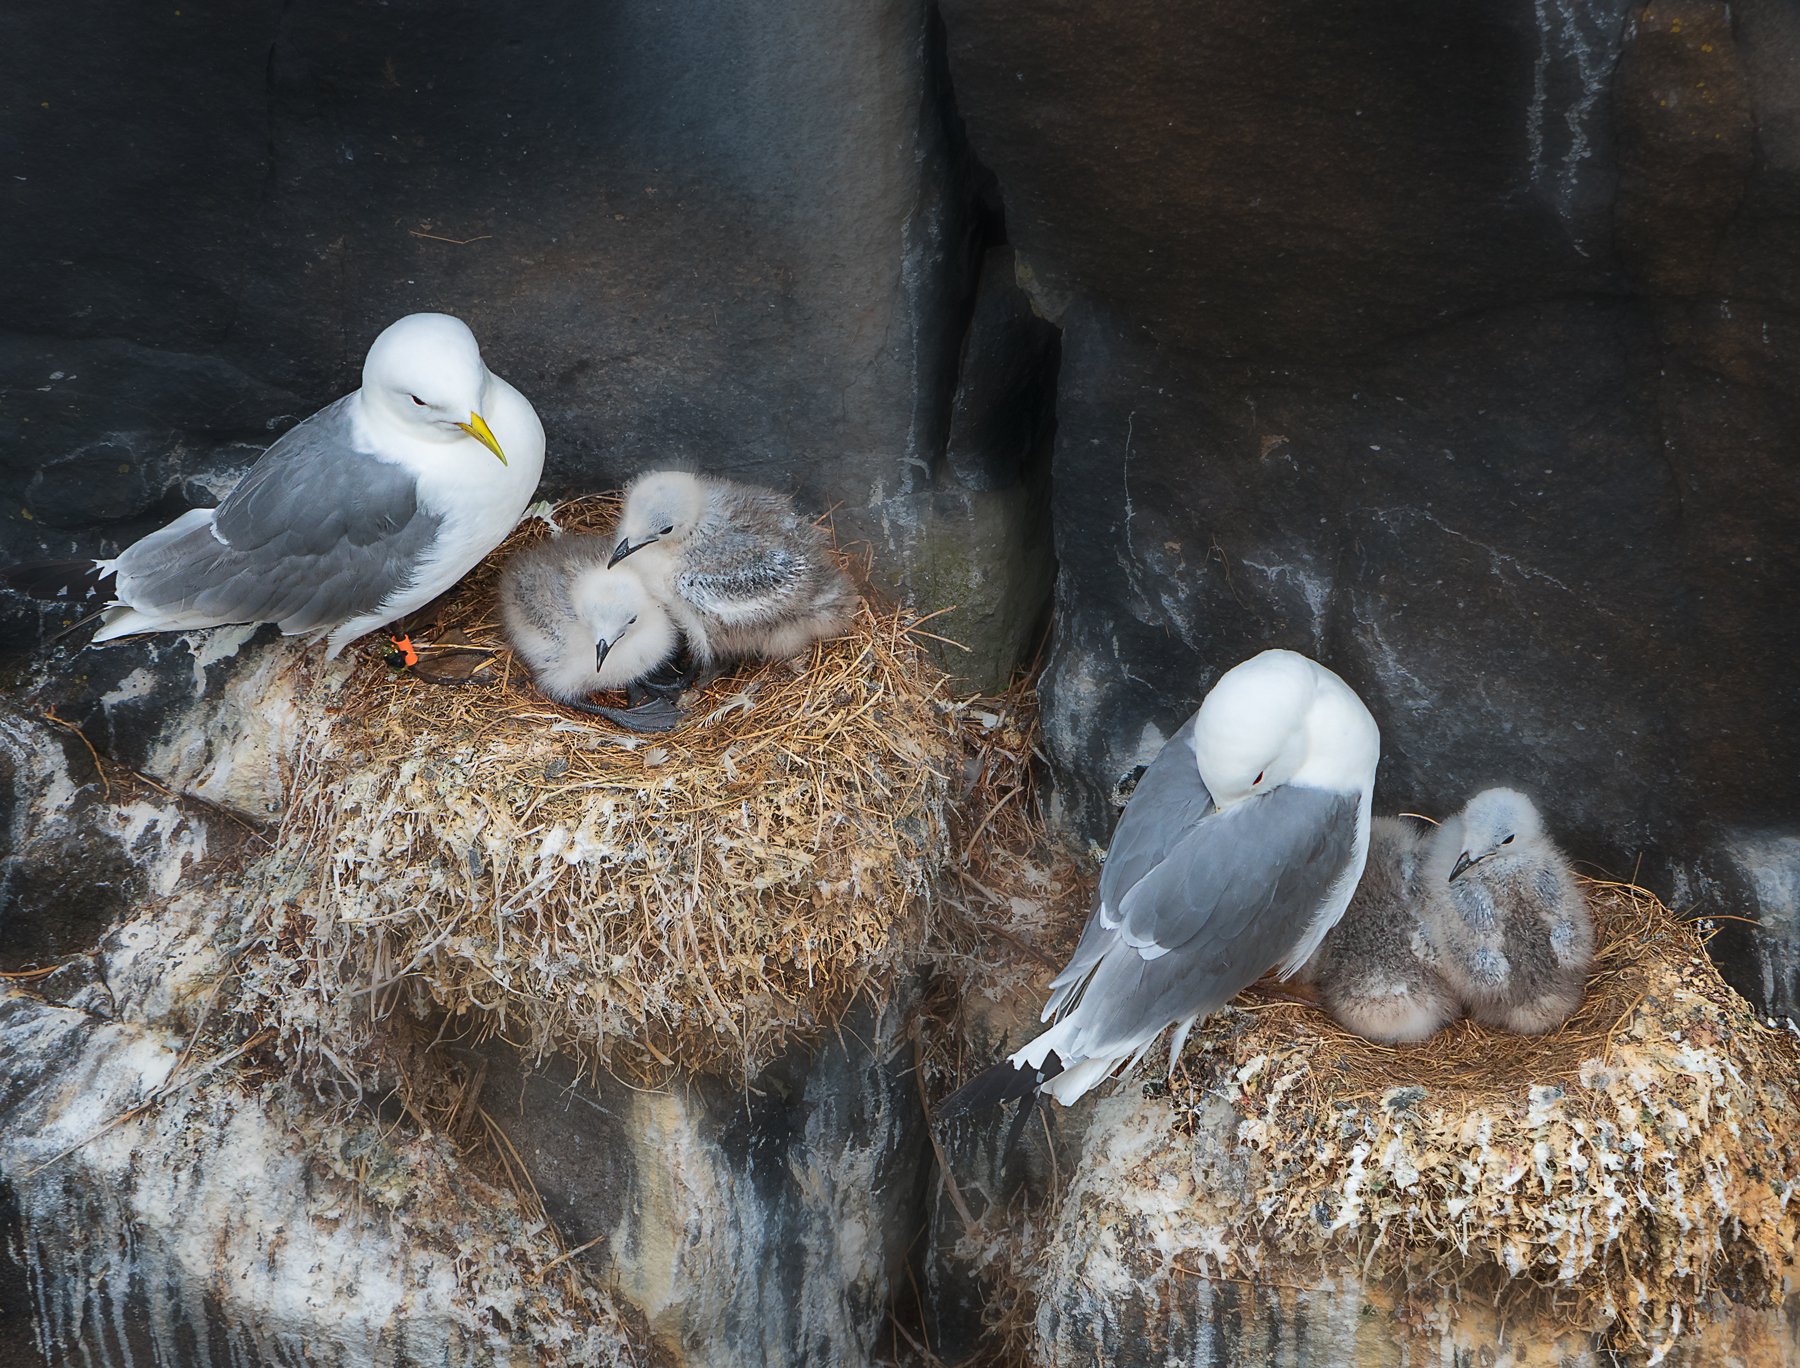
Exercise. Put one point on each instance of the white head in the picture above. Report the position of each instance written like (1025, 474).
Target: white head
(609, 604)
(1280, 718)
(660, 506)
(424, 377)
(1499, 827)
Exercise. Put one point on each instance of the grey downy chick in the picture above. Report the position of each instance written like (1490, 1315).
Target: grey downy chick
(745, 576)
(1376, 970)
(583, 626)
(1513, 932)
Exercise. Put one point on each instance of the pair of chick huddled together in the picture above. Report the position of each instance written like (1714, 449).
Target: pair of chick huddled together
(730, 568)
(1480, 915)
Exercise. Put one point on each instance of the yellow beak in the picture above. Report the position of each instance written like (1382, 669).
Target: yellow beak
(477, 428)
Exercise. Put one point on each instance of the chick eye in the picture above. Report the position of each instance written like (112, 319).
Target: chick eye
(1507, 841)
(634, 619)
(665, 532)
(415, 398)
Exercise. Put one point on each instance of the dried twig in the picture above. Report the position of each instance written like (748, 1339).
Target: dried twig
(81, 736)
(167, 1088)
(454, 242)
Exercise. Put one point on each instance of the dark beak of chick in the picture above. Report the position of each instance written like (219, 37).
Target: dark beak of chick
(601, 647)
(1463, 865)
(625, 548)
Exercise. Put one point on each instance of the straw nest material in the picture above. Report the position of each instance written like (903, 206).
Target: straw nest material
(688, 900)
(1634, 1163)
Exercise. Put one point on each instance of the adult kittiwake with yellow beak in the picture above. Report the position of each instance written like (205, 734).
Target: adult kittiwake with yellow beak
(369, 509)
(1238, 851)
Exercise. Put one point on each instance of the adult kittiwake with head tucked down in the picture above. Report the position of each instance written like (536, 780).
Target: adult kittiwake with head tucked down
(1238, 851)
(367, 510)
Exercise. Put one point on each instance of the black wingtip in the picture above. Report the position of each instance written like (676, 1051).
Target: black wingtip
(64, 581)
(77, 625)
(1001, 1083)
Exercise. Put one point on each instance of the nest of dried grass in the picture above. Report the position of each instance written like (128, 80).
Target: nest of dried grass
(1635, 1162)
(691, 900)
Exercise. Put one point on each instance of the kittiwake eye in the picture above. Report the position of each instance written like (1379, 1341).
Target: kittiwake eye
(415, 398)
(1259, 778)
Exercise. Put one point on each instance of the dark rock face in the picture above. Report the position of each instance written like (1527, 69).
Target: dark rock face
(66, 875)
(983, 539)
(1451, 345)
(544, 174)
(769, 1223)
(995, 1169)
(1372, 521)
(1288, 182)
(1006, 392)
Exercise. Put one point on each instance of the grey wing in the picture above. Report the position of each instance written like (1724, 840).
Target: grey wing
(1229, 902)
(746, 578)
(1169, 800)
(316, 534)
